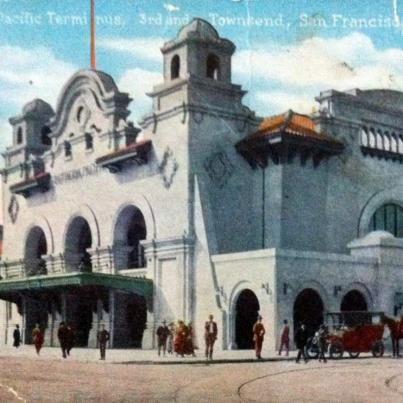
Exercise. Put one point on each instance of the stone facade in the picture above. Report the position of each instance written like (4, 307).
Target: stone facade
(175, 202)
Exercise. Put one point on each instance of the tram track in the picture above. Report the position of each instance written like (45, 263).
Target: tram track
(388, 381)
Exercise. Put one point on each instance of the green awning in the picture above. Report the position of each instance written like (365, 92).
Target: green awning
(140, 286)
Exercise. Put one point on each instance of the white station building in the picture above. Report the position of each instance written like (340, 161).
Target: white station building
(205, 209)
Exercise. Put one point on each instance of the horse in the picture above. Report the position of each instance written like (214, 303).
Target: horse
(396, 332)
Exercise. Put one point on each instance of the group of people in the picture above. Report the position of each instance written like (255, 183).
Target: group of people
(65, 334)
(175, 339)
(180, 339)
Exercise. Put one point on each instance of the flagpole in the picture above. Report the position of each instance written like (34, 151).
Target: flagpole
(93, 59)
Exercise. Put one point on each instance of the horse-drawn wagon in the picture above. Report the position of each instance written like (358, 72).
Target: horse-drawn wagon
(353, 332)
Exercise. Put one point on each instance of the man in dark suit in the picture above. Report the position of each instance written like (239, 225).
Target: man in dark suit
(210, 336)
(103, 338)
(62, 335)
(300, 339)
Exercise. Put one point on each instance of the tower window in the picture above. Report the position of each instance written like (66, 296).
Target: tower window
(67, 149)
(213, 67)
(388, 217)
(89, 141)
(45, 138)
(19, 135)
(175, 67)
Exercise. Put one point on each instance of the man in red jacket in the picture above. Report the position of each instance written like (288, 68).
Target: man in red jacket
(258, 336)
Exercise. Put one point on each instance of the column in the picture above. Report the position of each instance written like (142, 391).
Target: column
(110, 326)
(96, 319)
(102, 260)
(148, 341)
(57, 318)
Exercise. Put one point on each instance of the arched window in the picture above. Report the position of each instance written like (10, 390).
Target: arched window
(388, 217)
(379, 140)
(213, 67)
(19, 135)
(393, 143)
(45, 138)
(372, 138)
(67, 149)
(386, 141)
(89, 141)
(175, 67)
(364, 137)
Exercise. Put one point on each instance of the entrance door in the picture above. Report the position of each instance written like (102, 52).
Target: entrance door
(247, 310)
(353, 301)
(308, 309)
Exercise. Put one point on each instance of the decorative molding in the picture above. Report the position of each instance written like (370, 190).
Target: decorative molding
(13, 209)
(168, 167)
(219, 168)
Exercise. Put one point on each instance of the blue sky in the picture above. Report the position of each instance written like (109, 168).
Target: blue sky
(290, 51)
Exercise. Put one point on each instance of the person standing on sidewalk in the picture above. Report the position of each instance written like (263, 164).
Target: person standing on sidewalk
(17, 336)
(322, 338)
(300, 339)
(103, 338)
(37, 338)
(210, 336)
(162, 336)
(285, 338)
(258, 336)
(62, 335)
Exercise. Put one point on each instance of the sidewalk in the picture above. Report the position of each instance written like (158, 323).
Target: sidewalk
(134, 356)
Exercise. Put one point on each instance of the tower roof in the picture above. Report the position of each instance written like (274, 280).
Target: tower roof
(37, 107)
(198, 28)
(282, 136)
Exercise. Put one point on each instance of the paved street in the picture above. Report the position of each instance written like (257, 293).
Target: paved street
(53, 380)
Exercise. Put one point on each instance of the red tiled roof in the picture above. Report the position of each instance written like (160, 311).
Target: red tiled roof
(292, 123)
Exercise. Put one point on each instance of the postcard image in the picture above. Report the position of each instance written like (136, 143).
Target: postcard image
(201, 201)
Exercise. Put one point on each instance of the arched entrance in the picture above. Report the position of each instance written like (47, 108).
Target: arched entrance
(130, 229)
(78, 241)
(35, 249)
(308, 309)
(247, 310)
(354, 300)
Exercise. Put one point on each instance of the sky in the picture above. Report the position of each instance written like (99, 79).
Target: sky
(287, 51)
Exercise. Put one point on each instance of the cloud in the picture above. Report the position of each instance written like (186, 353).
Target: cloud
(170, 7)
(137, 82)
(142, 48)
(315, 65)
(280, 101)
(26, 74)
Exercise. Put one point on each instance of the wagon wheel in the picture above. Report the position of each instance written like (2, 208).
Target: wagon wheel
(312, 348)
(378, 348)
(353, 355)
(336, 350)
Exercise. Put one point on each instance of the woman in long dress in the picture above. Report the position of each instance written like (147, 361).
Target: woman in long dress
(37, 338)
(180, 339)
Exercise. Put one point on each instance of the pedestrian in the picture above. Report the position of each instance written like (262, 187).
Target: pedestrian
(300, 339)
(285, 338)
(258, 336)
(180, 339)
(189, 344)
(322, 342)
(210, 336)
(17, 336)
(162, 336)
(62, 335)
(37, 338)
(70, 339)
(170, 339)
(103, 338)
